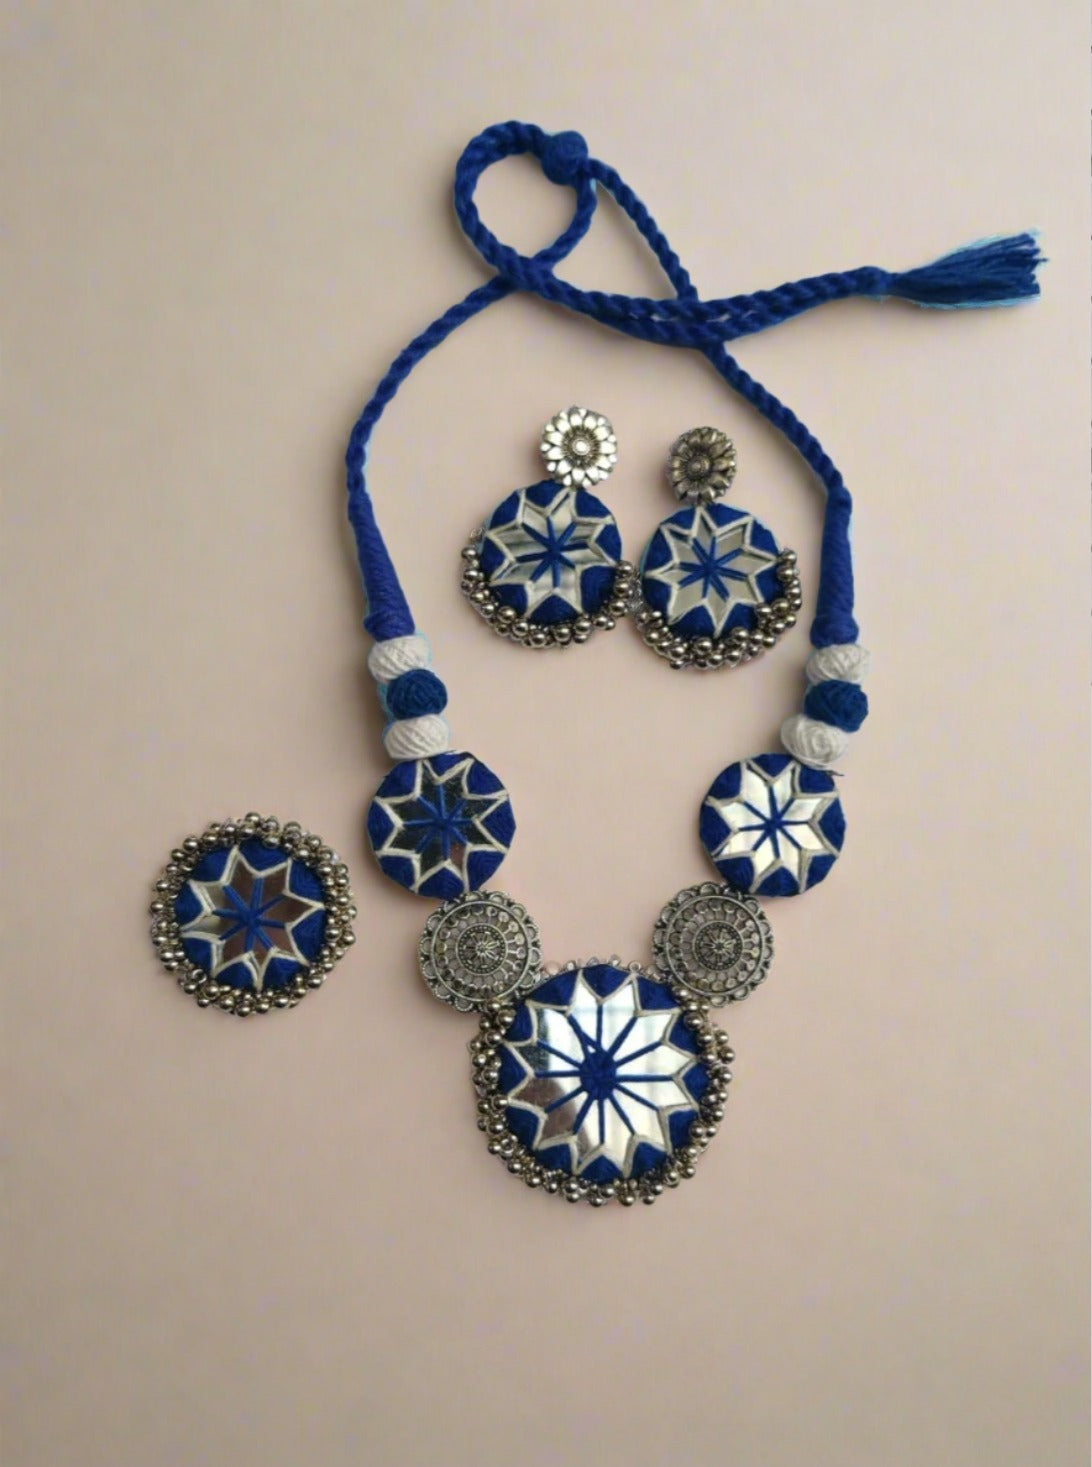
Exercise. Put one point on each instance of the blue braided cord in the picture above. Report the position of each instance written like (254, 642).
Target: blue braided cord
(997, 272)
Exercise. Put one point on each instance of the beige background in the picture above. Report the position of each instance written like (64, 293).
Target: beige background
(282, 1242)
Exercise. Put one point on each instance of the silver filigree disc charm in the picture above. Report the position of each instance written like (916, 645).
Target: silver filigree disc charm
(713, 942)
(251, 915)
(480, 948)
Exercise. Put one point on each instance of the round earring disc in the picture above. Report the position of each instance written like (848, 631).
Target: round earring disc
(550, 553)
(706, 569)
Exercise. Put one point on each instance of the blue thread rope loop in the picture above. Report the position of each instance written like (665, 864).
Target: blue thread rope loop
(994, 272)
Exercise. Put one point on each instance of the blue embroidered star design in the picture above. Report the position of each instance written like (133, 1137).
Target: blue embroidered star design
(773, 823)
(556, 552)
(439, 821)
(248, 915)
(546, 544)
(708, 564)
(440, 816)
(711, 568)
(601, 1075)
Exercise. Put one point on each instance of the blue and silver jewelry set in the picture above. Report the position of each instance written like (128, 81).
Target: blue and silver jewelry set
(597, 1080)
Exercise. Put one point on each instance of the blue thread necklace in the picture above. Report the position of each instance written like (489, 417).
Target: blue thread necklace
(599, 1080)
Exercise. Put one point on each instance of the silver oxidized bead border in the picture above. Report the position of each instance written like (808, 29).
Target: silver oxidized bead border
(507, 622)
(714, 1050)
(741, 644)
(291, 838)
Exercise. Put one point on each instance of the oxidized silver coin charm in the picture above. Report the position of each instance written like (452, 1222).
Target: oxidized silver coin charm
(713, 942)
(251, 915)
(480, 948)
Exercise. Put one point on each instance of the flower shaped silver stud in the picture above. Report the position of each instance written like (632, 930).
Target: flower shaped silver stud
(578, 447)
(701, 465)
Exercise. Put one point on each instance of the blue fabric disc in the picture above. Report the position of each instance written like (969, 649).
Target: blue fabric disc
(602, 1076)
(440, 826)
(706, 568)
(551, 553)
(772, 826)
(251, 916)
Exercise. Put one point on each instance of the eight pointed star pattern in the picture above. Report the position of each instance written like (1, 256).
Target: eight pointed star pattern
(773, 826)
(550, 553)
(707, 566)
(601, 1074)
(440, 826)
(247, 919)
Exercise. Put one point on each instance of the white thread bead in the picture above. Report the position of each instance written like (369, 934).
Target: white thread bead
(397, 655)
(417, 738)
(845, 662)
(819, 744)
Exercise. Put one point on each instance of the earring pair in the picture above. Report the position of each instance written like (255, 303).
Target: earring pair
(712, 589)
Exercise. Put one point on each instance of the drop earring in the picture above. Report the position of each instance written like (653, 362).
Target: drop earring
(546, 569)
(716, 589)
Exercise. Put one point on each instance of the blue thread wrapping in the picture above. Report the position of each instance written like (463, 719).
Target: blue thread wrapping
(845, 705)
(415, 693)
(999, 271)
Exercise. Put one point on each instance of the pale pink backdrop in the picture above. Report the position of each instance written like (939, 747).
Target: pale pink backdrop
(282, 1242)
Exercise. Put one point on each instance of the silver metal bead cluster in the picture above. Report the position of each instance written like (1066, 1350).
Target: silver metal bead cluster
(713, 943)
(507, 622)
(771, 620)
(701, 465)
(480, 947)
(294, 841)
(715, 1052)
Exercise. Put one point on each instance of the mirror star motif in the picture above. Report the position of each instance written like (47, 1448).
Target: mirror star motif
(602, 1076)
(442, 825)
(773, 826)
(712, 562)
(551, 552)
(249, 918)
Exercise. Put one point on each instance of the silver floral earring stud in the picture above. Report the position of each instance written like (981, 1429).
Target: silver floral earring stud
(716, 589)
(546, 568)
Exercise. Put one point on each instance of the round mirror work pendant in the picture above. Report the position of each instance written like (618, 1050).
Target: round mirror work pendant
(601, 1084)
(440, 826)
(251, 915)
(772, 826)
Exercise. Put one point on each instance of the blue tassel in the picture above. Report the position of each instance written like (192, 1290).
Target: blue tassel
(991, 272)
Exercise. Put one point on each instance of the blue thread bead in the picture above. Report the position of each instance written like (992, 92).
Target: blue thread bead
(844, 705)
(564, 157)
(415, 693)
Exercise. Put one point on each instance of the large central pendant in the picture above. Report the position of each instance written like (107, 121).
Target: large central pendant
(600, 1084)
(601, 1081)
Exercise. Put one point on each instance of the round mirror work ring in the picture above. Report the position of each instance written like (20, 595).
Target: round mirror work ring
(251, 915)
